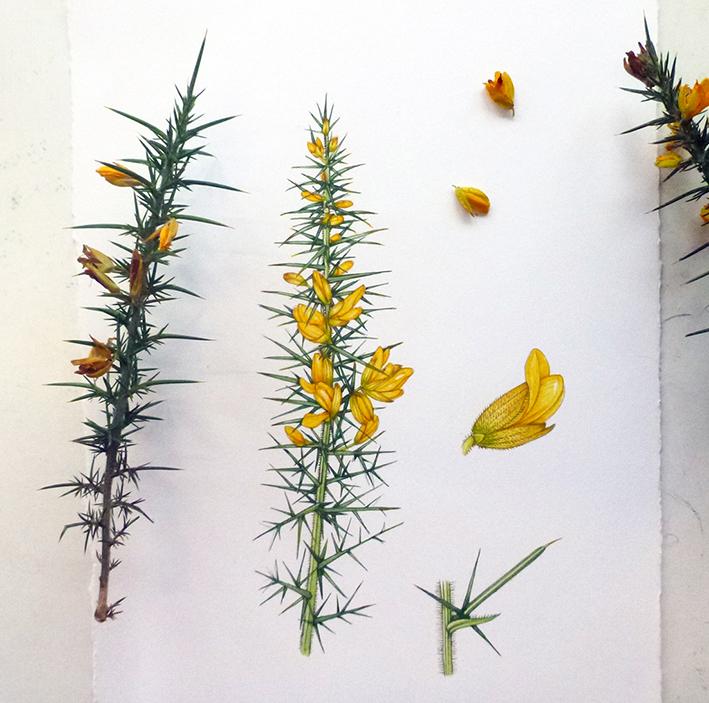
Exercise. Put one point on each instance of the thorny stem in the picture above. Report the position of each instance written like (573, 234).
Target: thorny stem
(444, 591)
(307, 619)
(118, 421)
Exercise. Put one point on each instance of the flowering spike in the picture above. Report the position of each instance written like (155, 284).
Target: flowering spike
(337, 464)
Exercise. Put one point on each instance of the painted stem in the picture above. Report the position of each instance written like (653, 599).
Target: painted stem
(308, 613)
(444, 591)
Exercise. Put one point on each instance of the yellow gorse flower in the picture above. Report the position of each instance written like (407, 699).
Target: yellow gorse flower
(166, 233)
(98, 362)
(502, 91)
(295, 279)
(97, 266)
(295, 436)
(670, 160)
(345, 311)
(691, 101)
(329, 398)
(316, 148)
(473, 200)
(312, 324)
(313, 197)
(322, 288)
(321, 371)
(117, 178)
(343, 268)
(382, 381)
(520, 415)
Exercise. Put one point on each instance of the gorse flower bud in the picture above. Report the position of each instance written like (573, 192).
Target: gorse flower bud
(473, 200)
(296, 436)
(137, 274)
(118, 178)
(640, 66)
(519, 416)
(502, 91)
(669, 160)
(295, 279)
(322, 288)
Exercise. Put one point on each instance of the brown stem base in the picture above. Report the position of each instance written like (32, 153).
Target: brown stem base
(103, 611)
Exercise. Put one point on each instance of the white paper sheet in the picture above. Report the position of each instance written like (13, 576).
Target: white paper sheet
(566, 261)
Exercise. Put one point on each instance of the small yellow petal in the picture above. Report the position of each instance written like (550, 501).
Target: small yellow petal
(473, 200)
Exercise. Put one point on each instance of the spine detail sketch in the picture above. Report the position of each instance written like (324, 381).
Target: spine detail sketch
(329, 427)
(115, 374)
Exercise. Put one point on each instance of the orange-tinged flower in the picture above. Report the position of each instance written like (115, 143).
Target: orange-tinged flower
(97, 363)
(295, 279)
(344, 203)
(345, 311)
(312, 324)
(316, 148)
(704, 212)
(502, 91)
(383, 381)
(97, 259)
(321, 371)
(336, 220)
(117, 178)
(97, 266)
(473, 200)
(520, 415)
(343, 268)
(691, 101)
(166, 232)
(136, 274)
(322, 288)
(333, 143)
(335, 237)
(669, 160)
(313, 197)
(296, 436)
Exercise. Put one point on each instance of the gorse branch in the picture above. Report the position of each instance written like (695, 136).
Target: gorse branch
(333, 462)
(687, 139)
(116, 377)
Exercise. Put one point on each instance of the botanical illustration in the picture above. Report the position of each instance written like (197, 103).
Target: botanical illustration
(520, 415)
(454, 618)
(331, 463)
(117, 376)
(686, 140)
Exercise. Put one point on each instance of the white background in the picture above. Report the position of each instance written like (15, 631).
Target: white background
(566, 261)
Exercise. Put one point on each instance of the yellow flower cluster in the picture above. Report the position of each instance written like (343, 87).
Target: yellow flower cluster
(520, 415)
